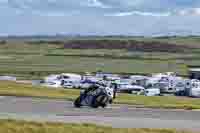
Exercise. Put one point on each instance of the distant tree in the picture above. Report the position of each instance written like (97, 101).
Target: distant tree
(32, 73)
(3, 42)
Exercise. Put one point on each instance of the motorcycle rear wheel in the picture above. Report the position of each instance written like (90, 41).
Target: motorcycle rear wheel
(77, 102)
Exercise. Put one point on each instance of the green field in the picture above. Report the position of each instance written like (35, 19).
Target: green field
(171, 102)
(30, 59)
(37, 60)
(187, 40)
(16, 89)
(13, 126)
(39, 63)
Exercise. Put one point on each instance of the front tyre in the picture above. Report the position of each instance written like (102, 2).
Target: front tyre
(104, 105)
(101, 100)
(110, 101)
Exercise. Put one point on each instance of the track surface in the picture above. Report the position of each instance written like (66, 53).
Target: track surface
(120, 116)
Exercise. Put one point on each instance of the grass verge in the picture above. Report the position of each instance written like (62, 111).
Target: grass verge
(12, 126)
(169, 102)
(19, 89)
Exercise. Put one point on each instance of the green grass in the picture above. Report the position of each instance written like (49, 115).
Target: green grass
(171, 102)
(16, 89)
(83, 64)
(34, 61)
(167, 102)
(37, 60)
(25, 59)
(188, 40)
(13, 126)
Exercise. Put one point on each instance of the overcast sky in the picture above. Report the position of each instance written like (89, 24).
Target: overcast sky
(128, 17)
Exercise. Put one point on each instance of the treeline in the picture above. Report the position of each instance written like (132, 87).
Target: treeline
(130, 45)
(45, 42)
(3, 41)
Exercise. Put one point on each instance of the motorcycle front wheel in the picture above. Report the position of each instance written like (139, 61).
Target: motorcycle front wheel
(100, 100)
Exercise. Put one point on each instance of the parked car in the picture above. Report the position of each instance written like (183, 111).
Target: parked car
(54, 84)
(153, 90)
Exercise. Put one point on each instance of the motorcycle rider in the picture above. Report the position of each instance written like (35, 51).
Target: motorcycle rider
(91, 88)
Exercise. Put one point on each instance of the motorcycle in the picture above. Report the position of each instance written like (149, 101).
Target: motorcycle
(96, 96)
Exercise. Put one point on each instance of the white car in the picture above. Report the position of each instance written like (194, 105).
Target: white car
(53, 84)
(152, 92)
(133, 89)
(70, 84)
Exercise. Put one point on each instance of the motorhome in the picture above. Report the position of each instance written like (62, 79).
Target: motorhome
(66, 80)
(107, 76)
(139, 80)
(195, 89)
(70, 76)
(92, 78)
(62, 76)
(51, 78)
(167, 82)
(8, 78)
(165, 74)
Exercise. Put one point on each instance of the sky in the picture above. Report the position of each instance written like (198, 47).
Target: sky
(100, 17)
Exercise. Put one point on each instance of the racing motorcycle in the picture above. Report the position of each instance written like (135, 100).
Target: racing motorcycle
(96, 96)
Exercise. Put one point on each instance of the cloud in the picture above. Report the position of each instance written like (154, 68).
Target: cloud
(143, 17)
(102, 7)
(121, 14)
(189, 12)
(96, 3)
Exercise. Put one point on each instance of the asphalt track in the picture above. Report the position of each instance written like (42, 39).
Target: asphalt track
(117, 116)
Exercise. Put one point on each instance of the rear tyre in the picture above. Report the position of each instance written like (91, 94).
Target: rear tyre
(95, 104)
(77, 102)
